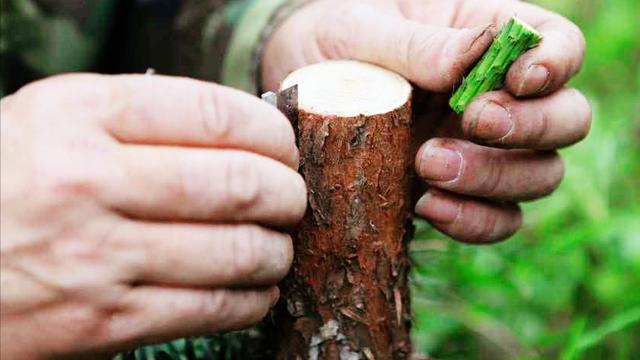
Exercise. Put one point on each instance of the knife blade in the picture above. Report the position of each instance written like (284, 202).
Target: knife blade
(287, 102)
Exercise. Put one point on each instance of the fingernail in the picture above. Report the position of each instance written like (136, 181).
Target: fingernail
(439, 163)
(437, 207)
(276, 295)
(535, 80)
(494, 122)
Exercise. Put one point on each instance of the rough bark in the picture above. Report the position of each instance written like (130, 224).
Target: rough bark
(346, 296)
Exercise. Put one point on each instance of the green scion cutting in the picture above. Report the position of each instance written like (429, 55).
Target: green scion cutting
(515, 38)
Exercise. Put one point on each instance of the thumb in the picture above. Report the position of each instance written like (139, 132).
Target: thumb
(433, 57)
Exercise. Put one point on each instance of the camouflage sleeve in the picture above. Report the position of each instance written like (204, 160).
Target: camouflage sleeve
(215, 40)
(241, 67)
(44, 37)
(231, 39)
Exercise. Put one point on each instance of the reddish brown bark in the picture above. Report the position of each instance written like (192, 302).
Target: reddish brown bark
(346, 296)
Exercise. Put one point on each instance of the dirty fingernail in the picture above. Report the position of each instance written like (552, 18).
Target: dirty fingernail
(494, 122)
(535, 80)
(438, 207)
(439, 163)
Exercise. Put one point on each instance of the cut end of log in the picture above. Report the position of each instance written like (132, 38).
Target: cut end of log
(347, 88)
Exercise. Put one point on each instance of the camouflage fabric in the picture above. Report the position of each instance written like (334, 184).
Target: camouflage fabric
(39, 39)
(215, 40)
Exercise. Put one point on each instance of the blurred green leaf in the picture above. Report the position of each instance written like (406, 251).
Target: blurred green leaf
(581, 340)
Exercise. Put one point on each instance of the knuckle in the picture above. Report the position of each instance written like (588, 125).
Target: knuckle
(63, 183)
(59, 89)
(255, 309)
(285, 129)
(513, 224)
(570, 64)
(41, 86)
(538, 130)
(260, 254)
(585, 116)
(471, 116)
(257, 312)
(330, 40)
(557, 174)
(335, 38)
(127, 258)
(223, 310)
(476, 116)
(461, 44)
(284, 138)
(72, 247)
(483, 225)
(242, 182)
(451, 73)
(299, 206)
(263, 310)
(74, 167)
(416, 48)
(248, 257)
(487, 228)
(40, 92)
(82, 321)
(119, 328)
(89, 96)
(216, 306)
(574, 31)
(6, 104)
(492, 182)
(282, 246)
(517, 220)
(190, 183)
(295, 157)
(288, 140)
(576, 37)
(550, 178)
(214, 116)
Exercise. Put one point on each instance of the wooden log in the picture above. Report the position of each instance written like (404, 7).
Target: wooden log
(346, 296)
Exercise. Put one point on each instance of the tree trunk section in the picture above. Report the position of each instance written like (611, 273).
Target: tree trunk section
(346, 296)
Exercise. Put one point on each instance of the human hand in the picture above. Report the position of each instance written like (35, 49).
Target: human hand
(502, 149)
(137, 209)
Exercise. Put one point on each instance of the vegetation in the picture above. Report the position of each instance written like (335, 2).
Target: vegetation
(568, 285)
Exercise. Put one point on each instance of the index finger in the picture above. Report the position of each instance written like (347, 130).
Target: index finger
(163, 110)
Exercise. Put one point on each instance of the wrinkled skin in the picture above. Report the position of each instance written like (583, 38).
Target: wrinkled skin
(502, 150)
(140, 209)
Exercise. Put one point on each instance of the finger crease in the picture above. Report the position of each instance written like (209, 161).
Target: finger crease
(542, 129)
(494, 180)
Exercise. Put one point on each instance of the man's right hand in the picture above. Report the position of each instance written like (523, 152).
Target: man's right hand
(137, 209)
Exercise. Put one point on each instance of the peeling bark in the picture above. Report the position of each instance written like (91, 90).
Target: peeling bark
(346, 296)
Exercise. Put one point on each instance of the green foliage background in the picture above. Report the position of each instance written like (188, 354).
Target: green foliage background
(568, 285)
